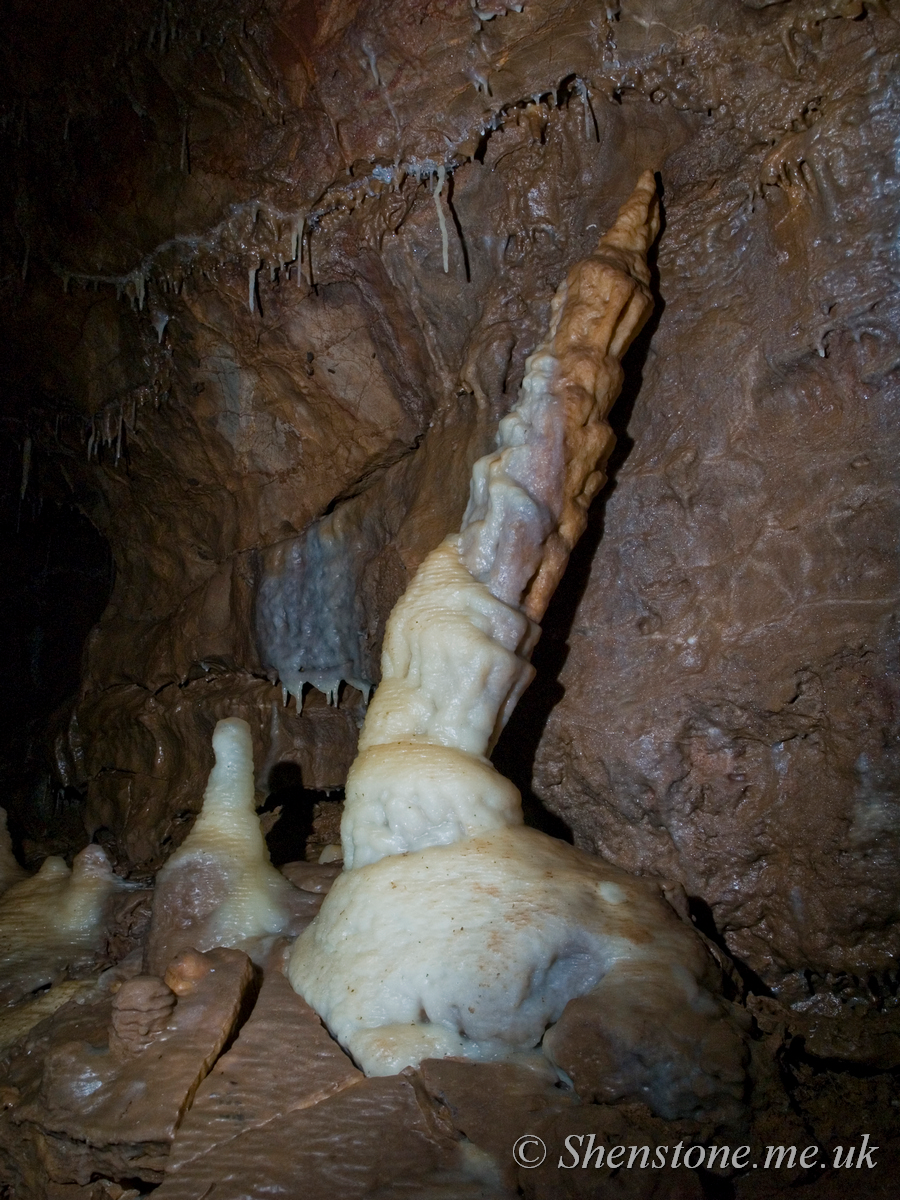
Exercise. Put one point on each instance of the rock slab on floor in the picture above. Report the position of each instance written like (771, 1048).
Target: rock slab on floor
(284, 1059)
(79, 1108)
(369, 1136)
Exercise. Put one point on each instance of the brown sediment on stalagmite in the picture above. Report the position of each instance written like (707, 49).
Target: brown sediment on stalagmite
(458, 643)
(529, 499)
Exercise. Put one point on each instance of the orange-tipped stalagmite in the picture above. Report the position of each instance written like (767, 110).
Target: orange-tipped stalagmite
(529, 499)
(453, 929)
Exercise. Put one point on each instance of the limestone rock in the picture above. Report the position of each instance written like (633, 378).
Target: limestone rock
(81, 1109)
(495, 1104)
(311, 877)
(368, 1135)
(283, 1060)
(717, 702)
(655, 1041)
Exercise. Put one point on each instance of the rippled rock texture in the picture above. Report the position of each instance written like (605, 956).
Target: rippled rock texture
(271, 273)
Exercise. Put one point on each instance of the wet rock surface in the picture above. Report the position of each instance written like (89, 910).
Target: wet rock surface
(632, 1039)
(94, 1089)
(231, 341)
(299, 389)
(283, 1060)
(349, 1144)
(198, 1081)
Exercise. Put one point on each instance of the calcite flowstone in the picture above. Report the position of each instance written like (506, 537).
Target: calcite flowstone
(219, 888)
(54, 921)
(455, 930)
(729, 706)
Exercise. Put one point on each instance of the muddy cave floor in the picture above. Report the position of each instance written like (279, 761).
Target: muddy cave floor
(245, 1094)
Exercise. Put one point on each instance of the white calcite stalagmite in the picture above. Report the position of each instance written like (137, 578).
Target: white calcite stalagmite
(454, 929)
(54, 921)
(454, 663)
(219, 888)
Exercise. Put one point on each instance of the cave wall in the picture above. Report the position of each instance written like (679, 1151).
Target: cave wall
(225, 294)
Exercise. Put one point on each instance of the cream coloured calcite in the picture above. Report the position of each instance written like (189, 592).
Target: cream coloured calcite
(454, 929)
(227, 833)
(219, 888)
(53, 921)
(529, 498)
(454, 664)
(475, 948)
(458, 643)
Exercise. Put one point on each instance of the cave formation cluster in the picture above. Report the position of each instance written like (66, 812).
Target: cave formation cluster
(271, 273)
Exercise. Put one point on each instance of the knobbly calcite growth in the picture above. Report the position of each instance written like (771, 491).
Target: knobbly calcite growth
(141, 1009)
(53, 921)
(103, 1088)
(219, 888)
(455, 929)
(529, 499)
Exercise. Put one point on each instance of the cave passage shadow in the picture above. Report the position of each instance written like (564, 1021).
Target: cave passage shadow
(287, 839)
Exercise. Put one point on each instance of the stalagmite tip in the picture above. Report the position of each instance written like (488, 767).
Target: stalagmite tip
(637, 224)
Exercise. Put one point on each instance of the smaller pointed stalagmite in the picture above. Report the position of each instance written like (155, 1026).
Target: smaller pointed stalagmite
(219, 888)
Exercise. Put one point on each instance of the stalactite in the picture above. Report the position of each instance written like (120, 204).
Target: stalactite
(442, 221)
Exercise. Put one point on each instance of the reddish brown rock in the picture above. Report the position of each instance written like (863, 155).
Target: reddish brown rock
(725, 653)
(311, 877)
(284, 1059)
(593, 1131)
(371, 1134)
(495, 1104)
(161, 747)
(614, 1046)
(326, 831)
(859, 1036)
(126, 925)
(716, 698)
(81, 1110)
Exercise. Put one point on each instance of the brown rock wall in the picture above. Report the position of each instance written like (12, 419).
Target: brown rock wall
(260, 187)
